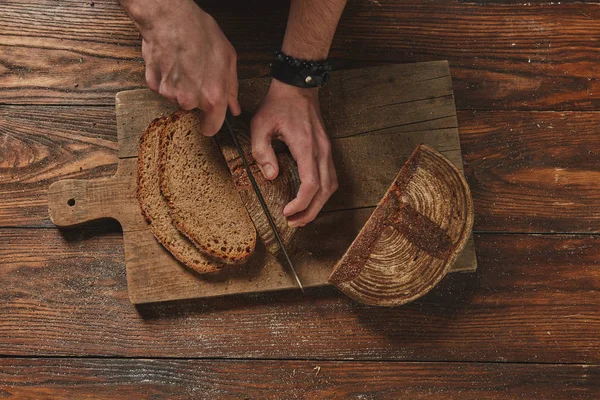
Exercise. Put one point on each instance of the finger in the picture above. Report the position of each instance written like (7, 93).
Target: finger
(153, 77)
(261, 134)
(328, 185)
(308, 170)
(187, 100)
(213, 112)
(167, 90)
(233, 102)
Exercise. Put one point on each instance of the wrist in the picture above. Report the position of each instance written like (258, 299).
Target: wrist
(283, 90)
(304, 51)
(147, 14)
(300, 72)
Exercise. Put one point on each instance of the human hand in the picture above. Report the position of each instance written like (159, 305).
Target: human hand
(293, 115)
(188, 58)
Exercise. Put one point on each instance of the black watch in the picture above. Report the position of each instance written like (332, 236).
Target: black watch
(300, 73)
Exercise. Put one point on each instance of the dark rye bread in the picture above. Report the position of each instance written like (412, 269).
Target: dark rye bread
(413, 237)
(154, 206)
(203, 200)
(277, 193)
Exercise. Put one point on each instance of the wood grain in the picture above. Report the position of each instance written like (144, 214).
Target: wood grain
(519, 183)
(533, 172)
(413, 237)
(39, 145)
(376, 117)
(73, 202)
(77, 201)
(539, 56)
(374, 134)
(241, 379)
(534, 299)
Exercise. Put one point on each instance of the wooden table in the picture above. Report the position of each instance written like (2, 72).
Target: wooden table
(527, 84)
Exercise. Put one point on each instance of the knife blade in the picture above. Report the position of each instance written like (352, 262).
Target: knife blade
(229, 121)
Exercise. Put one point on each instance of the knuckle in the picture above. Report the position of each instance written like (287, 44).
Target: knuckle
(152, 84)
(185, 105)
(213, 96)
(325, 146)
(312, 184)
(329, 188)
(334, 186)
(186, 101)
(307, 142)
(164, 89)
(209, 103)
(259, 153)
(151, 80)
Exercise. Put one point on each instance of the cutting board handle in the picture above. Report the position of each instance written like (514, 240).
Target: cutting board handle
(75, 201)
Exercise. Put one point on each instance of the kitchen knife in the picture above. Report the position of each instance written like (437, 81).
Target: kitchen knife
(229, 121)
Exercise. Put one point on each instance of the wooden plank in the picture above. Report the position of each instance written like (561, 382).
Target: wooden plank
(398, 98)
(378, 99)
(41, 145)
(534, 56)
(535, 298)
(242, 379)
(376, 117)
(534, 172)
(75, 201)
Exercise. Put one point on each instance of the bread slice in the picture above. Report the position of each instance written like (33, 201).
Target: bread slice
(203, 200)
(277, 193)
(155, 209)
(413, 237)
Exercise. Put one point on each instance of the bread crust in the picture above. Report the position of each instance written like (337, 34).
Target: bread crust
(216, 248)
(413, 237)
(277, 193)
(159, 219)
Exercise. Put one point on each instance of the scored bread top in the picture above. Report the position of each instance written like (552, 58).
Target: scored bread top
(204, 202)
(155, 209)
(414, 235)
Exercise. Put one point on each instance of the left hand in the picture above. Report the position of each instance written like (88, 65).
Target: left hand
(293, 115)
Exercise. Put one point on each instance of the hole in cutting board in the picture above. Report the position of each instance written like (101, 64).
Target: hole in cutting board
(71, 202)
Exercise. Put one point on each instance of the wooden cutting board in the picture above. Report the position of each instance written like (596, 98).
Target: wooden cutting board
(375, 118)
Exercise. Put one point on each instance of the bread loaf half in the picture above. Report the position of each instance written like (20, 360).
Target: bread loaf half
(413, 237)
(277, 193)
(155, 209)
(201, 195)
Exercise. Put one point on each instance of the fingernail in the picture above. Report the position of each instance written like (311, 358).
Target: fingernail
(286, 211)
(292, 224)
(269, 171)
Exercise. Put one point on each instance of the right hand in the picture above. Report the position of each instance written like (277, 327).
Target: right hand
(188, 58)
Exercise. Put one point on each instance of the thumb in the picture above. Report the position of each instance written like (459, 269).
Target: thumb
(234, 104)
(262, 151)
(213, 118)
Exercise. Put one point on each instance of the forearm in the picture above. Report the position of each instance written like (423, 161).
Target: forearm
(145, 13)
(310, 28)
